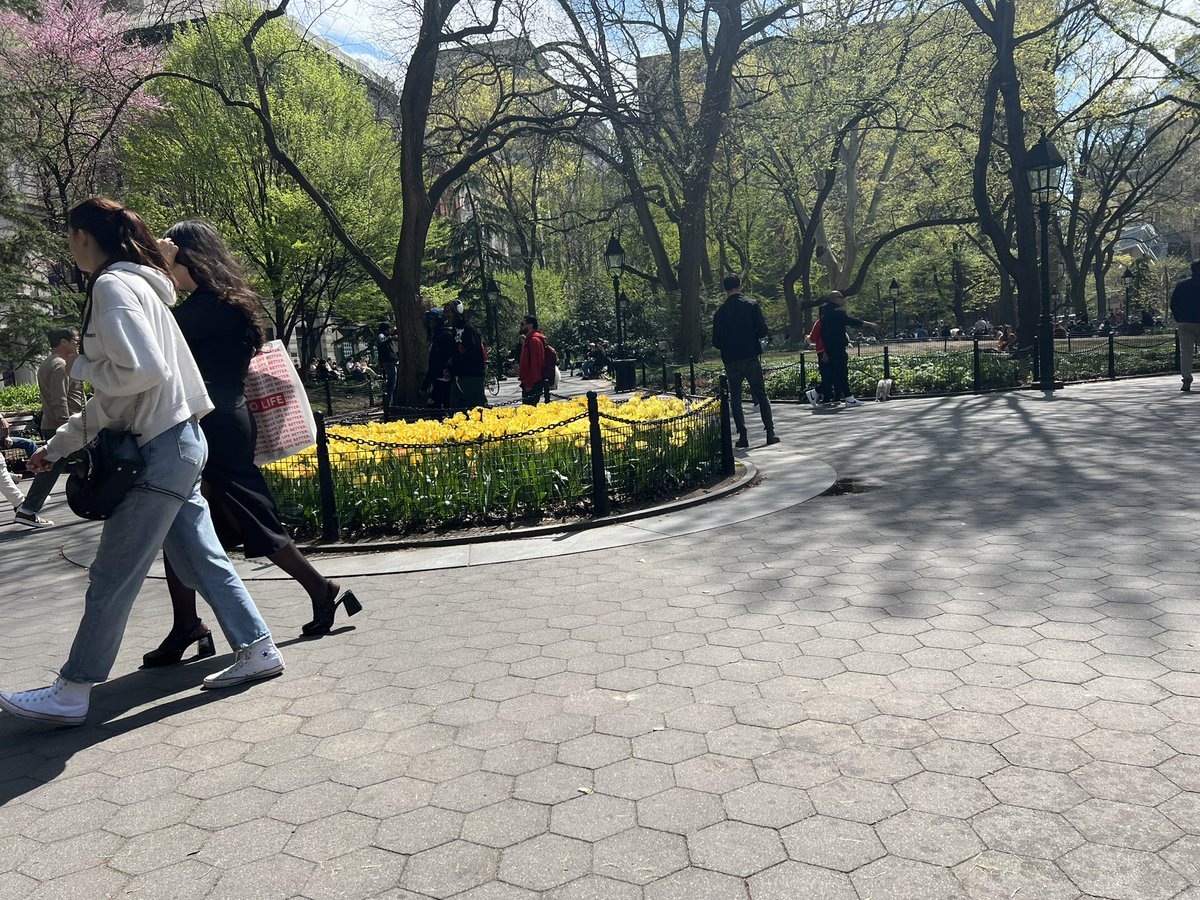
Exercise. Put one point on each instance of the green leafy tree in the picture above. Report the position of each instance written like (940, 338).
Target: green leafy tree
(199, 158)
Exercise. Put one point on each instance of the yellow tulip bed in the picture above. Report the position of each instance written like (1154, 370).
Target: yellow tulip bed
(493, 466)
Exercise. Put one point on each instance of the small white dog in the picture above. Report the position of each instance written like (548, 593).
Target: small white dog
(884, 390)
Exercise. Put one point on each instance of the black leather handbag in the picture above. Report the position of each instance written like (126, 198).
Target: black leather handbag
(102, 473)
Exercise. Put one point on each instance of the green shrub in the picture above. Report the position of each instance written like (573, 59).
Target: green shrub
(21, 397)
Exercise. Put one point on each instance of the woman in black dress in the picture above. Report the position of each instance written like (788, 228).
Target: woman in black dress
(220, 322)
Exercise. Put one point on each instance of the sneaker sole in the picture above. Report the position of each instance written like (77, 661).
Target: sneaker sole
(29, 524)
(23, 713)
(257, 676)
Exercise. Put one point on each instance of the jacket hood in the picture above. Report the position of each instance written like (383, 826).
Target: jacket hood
(154, 277)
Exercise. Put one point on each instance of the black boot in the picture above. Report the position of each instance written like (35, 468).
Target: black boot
(743, 440)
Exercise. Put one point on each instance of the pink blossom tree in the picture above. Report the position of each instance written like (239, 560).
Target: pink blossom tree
(64, 78)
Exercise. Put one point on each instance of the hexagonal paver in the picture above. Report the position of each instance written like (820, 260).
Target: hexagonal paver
(669, 746)
(894, 878)
(928, 838)
(545, 862)
(593, 751)
(680, 810)
(1123, 825)
(964, 758)
(832, 843)
(1026, 832)
(855, 799)
(1118, 872)
(420, 829)
(714, 774)
(589, 887)
(1035, 788)
(450, 869)
(505, 823)
(790, 880)
(794, 768)
(1001, 875)
(736, 848)
(769, 805)
(634, 779)
(885, 764)
(640, 855)
(592, 817)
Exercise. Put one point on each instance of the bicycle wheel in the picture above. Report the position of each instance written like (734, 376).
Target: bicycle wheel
(493, 385)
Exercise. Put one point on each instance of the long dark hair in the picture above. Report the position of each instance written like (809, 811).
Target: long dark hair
(202, 251)
(119, 232)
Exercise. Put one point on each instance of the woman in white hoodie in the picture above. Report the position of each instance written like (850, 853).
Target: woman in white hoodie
(145, 379)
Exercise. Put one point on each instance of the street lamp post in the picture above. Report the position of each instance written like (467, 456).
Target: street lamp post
(491, 295)
(1127, 278)
(614, 258)
(894, 290)
(1044, 165)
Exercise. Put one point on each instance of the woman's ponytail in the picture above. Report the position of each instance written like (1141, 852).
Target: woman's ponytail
(120, 233)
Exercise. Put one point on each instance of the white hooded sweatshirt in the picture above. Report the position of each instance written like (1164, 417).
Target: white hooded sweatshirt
(135, 358)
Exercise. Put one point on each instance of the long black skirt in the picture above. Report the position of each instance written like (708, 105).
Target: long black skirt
(243, 511)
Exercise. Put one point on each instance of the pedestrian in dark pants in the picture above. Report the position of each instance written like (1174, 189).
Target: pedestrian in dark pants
(386, 347)
(1185, 307)
(535, 385)
(834, 320)
(738, 330)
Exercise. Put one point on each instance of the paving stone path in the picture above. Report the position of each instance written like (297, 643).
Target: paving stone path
(980, 680)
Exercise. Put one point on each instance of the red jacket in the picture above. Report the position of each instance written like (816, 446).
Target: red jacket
(815, 338)
(533, 360)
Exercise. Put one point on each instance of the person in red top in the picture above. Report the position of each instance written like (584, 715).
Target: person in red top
(818, 342)
(532, 370)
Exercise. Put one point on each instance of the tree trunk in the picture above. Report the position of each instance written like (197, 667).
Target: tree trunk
(530, 296)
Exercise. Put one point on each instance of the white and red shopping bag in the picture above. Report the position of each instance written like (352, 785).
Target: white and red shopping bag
(279, 404)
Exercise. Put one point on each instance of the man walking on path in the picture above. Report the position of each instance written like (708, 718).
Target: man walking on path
(834, 320)
(532, 369)
(62, 397)
(1185, 307)
(738, 329)
(386, 348)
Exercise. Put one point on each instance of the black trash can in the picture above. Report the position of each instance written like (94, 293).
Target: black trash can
(626, 373)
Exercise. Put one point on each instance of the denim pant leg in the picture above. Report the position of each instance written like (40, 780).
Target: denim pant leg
(43, 483)
(128, 545)
(758, 390)
(735, 374)
(196, 555)
(25, 444)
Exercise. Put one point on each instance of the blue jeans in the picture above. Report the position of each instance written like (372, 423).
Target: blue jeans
(20, 443)
(165, 509)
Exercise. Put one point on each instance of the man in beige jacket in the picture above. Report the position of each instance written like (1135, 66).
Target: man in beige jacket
(62, 397)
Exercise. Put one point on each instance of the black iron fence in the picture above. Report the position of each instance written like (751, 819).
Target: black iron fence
(946, 367)
(585, 460)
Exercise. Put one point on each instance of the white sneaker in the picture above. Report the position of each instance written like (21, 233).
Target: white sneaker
(63, 703)
(852, 401)
(33, 520)
(261, 659)
(813, 397)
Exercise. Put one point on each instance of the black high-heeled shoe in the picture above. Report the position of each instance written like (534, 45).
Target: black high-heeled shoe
(324, 620)
(172, 649)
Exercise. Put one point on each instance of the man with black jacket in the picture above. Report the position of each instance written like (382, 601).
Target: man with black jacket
(834, 320)
(468, 365)
(738, 328)
(1185, 307)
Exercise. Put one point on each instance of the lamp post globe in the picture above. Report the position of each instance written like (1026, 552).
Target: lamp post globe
(1043, 167)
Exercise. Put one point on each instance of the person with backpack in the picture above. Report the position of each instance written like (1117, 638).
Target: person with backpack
(539, 362)
(1185, 307)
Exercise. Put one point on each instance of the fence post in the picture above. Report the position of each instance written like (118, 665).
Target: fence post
(803, 378)
(664, 368)
(1178, 355)
(1035, 363)
(887, 363)
(600, 505)
(643, 373)
(1112, 357)
(330, 528)
(976, 375)
(679, 385)
(328, 398)
(692, 368)
(726, 430)
(370, 393)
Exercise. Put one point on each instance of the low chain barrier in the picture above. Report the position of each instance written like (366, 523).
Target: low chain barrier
(581, 461)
